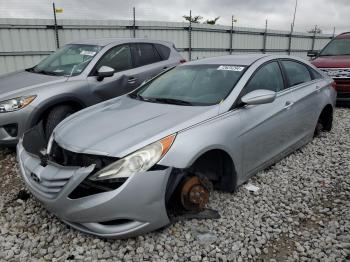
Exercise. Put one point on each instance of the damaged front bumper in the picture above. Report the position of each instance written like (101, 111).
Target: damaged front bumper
(136, 207)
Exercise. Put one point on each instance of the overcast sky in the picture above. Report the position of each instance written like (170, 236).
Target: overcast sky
(250, 13)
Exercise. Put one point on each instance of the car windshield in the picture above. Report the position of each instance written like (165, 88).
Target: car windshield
(337, 47)
(69, 60)
(191, 85)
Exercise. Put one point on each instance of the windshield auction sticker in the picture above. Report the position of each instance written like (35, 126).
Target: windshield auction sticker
(231, 68)
(89, 53)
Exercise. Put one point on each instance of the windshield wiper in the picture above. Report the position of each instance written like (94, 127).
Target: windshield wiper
(169, 101)
(161, 100)
(43, 72)
(137, 96)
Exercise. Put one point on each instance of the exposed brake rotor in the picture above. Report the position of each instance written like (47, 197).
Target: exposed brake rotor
(194, 194)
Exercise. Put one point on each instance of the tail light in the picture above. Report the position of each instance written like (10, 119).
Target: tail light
(183, 61)
(334, 85)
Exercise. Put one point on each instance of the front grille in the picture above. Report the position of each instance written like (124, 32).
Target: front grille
(65, 157)
(87, 187)
(342, 85)
(50, 185)
(116, 222)
(343, 95)
(337, 72)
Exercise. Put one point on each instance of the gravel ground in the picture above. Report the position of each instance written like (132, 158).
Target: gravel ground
(301, 212)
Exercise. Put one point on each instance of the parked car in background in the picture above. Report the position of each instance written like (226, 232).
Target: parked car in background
(129, 165)
(334, 60)
(76, 76)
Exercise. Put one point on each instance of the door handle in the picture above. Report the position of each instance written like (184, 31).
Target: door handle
(288, 104)
(318, 88)
(165, 68)
(132, 80)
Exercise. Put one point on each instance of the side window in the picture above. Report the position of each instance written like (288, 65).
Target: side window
(297, 73)
(145, 54)
(119, 58)
(163, 50)
(268, 77)
(315, 74)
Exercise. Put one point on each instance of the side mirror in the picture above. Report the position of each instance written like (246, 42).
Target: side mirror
(312, 53)
(104, 71)
(257, 97)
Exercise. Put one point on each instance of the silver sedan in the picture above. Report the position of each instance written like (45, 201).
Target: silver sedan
(134, 163)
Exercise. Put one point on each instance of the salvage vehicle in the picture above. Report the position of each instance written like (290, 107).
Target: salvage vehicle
(76, 76)
(135, 163)
(334, 60)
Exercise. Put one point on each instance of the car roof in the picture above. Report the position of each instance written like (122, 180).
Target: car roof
(244, 59)
(343, 35)
(118, 40)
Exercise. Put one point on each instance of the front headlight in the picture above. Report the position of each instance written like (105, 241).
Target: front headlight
(15, 104)
(139, 161)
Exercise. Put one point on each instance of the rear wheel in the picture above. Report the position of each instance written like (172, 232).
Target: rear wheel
(55, 116)
(325, 121)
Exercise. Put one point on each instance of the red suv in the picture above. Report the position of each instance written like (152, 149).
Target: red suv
(334, 59)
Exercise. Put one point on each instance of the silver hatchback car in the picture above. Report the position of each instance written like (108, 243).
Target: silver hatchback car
(132, 164)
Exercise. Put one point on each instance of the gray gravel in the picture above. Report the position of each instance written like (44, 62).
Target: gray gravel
(301, 212)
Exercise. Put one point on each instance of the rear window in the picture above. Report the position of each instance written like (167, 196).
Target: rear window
(164, 51)
(297, 73)
(145, 54)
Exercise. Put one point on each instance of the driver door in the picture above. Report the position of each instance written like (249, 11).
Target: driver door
(265, 127)
(123, 81)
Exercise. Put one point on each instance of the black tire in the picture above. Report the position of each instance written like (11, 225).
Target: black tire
(324, 123)
(55, 116)
(318, 130)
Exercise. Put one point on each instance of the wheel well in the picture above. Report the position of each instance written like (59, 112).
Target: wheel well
(326, 117)
(43, 114)
(217, 166)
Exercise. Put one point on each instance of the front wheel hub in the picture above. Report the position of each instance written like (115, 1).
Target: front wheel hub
(194, 194)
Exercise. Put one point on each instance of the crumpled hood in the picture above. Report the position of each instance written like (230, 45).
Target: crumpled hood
(122, 125)
(332, 61)
(15, 82)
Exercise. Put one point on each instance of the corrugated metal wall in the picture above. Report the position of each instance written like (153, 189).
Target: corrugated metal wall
(24, 42)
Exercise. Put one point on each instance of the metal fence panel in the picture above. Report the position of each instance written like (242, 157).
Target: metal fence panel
(320, 43)
(245, 41)
(277, 42)
(14, 63)
(24, 42)
(301, 43)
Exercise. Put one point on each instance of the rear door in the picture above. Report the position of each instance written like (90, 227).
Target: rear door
(123, 81)
(266, 127)
(306, 85)
(148, 61)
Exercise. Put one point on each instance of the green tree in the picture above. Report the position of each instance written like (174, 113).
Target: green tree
(316, 30)
(194, 19)
(212, 22)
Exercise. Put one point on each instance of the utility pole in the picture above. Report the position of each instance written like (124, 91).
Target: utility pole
(55, 27)
(265, 38)
(190, 38)
(295, 12)
(234, 20)
(134, 22)
(231, 36)
(333, 32)
(290, 39)
(314, 38)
